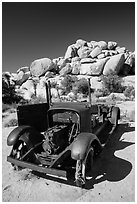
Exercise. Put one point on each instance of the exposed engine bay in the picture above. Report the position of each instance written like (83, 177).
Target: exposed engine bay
(63, 128)
(56, 138)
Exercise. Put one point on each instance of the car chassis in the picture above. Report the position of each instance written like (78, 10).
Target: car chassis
(55, 138)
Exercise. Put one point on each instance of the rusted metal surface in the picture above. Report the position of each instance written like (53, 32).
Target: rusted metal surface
(34, 115)
(59, 143)
(35, 167)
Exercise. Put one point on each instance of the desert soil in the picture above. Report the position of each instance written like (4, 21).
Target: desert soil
(113, 174)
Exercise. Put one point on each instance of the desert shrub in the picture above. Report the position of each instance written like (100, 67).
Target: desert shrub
(81, 86)
(99, 93)
(68, 83)
(12, 122)
(112, 84)
(129, 92)
(9, 95)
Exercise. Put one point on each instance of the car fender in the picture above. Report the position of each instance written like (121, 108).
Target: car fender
(81, 145)
(27, 133)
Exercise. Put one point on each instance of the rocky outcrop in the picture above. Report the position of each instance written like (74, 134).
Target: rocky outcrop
(80, 43)
(111, 45)
(49, 74)
(114, 64)
(66, 70)
(26, 94)
(41, 88)
(24, 69)
(128, 81)
(83, 59)
(96, 83)
(84, 52)
(121, 49)
(76, 67)
(22, 77)
(113, 97)
(28, 85)
(95, 52)
(102, 44)
(130, 61)
(71, 52)
(62, 62)
(40, 66)
(93, 69)
(87, 60)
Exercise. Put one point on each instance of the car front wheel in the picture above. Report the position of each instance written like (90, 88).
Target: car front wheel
(82, 166)
(18, 152)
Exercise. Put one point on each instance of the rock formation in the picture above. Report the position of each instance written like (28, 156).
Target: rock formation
(41, 66)
(83, 59)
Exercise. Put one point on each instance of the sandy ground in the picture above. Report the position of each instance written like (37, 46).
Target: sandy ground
(112, 178)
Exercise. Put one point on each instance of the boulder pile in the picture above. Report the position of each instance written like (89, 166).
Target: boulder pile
(82, 59)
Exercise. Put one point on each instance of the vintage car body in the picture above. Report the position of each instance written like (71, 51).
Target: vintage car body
(54, 138)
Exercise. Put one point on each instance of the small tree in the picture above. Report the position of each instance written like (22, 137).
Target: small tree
(9, 95)
(130, 92)
(81, 86)
(68, 83)
(112, 84)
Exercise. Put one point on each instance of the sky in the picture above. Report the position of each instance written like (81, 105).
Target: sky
(32, 30)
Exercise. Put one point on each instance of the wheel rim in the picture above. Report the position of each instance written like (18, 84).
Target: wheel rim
(19, 149)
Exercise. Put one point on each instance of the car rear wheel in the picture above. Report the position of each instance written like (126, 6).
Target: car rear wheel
(82, 167)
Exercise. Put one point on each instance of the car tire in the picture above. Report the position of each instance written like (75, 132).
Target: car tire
(19, 149)
(82, 166)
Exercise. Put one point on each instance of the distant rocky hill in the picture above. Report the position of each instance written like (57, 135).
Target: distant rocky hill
(82, 59)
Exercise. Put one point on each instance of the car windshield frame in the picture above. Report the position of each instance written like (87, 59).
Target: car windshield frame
(51, 112)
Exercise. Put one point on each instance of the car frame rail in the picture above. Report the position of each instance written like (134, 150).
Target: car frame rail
(46, 170)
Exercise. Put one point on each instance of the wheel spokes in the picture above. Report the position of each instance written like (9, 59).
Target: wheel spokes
(19, 150)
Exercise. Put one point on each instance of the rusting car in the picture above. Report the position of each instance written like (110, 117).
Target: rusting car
(55, 138)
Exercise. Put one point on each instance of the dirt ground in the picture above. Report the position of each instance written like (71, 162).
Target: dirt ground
(113, 175)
